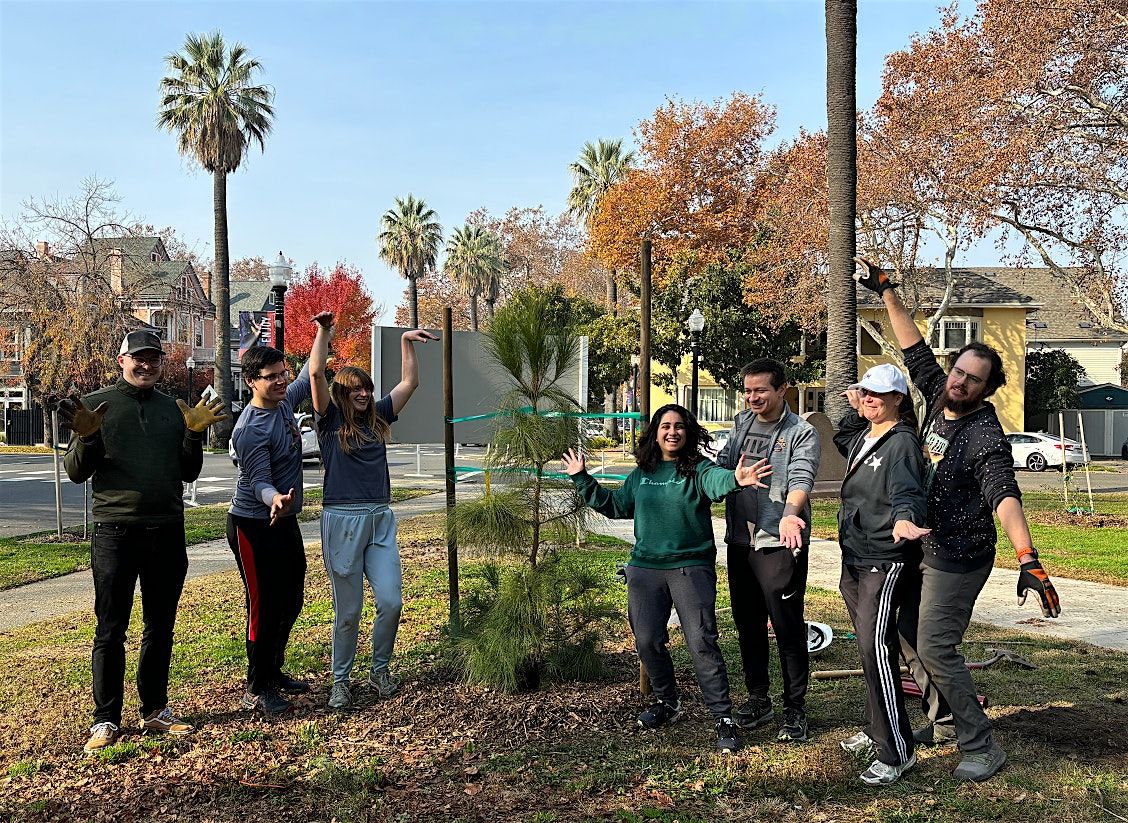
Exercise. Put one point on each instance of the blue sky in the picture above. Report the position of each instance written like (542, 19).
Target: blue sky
(466, 104)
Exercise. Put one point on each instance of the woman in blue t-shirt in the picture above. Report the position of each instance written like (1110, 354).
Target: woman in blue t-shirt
(358, 529)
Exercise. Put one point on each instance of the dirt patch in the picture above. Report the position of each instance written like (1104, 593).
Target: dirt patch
(1090, 735)
(1085, 521)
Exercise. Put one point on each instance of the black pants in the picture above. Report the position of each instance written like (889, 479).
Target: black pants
(120, 555)
(770, 582)
(693, 592)
(875, 596)
(272, 563)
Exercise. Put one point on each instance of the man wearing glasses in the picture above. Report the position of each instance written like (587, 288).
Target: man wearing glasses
(137, 446)
(262, 523)
(969, 477)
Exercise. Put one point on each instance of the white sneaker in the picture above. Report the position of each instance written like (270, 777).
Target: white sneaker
(882, 774)
(857, 743)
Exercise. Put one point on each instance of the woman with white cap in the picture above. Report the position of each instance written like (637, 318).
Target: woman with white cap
(883, 500)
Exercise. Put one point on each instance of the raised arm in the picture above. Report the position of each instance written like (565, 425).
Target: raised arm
(409, 372)
(871, 276)
(319, 383)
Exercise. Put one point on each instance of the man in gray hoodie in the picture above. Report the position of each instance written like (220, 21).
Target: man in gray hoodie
(767, 532)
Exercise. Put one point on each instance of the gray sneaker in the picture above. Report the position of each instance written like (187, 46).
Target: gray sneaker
(383, 683)
(979, 766)
(859, 743)
(340, 696)
(935, 734)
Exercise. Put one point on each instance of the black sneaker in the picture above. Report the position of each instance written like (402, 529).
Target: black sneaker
(794, 728)
(659, 713)
(290, 685)
(728, 735)
(754, 714)
(269, 702)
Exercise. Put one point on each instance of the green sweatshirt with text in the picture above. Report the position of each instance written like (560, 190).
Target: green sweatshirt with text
(673, 523)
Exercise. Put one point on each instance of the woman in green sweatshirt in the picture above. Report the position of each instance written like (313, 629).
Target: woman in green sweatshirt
(673, 562)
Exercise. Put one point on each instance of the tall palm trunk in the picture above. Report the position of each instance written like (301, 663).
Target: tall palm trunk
(413, 284)
(842, 185)
(222, 295)
(473, 312)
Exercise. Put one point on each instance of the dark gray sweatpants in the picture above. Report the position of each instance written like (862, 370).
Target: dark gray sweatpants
(693, 592)
(930, 637)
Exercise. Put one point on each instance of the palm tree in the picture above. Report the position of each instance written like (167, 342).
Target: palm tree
(209, 101)
(600, 166)
(409, 241)
(474, 261)
(842, 185)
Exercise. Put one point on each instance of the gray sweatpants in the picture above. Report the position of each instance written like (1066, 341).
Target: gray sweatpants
(693, 592)
(929, 643)
(358, 540)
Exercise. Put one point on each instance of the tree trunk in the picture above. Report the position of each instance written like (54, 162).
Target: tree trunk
(221, 293)
(473, 312)
(842, 179)
(490, 310)
(413, 284)
(612, 294)
(611, 425)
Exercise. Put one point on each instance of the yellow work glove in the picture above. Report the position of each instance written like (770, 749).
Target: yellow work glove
(203, 414)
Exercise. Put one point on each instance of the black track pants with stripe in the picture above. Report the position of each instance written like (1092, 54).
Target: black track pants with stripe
(874, 595)
(272, 563)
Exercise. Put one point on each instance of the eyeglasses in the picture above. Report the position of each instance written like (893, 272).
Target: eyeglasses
(871, 393)
(147, 360)
(277, 377)
(970, 379)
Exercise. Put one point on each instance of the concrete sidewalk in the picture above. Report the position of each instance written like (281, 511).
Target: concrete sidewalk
(75, 592)
(1091, 612)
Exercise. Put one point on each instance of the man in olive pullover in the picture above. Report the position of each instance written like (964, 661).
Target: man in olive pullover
(138, 446)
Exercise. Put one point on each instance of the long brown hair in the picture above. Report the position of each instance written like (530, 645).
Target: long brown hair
(357, 428)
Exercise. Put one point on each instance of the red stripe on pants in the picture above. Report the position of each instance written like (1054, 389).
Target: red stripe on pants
(247, 558)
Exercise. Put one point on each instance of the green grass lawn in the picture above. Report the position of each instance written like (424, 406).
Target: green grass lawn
(29, 559)
(445, 751)
(1095, 552)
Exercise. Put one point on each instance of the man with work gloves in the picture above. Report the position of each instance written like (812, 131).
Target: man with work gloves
(969, 476)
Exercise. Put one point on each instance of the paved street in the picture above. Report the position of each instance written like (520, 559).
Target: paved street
(27, 484)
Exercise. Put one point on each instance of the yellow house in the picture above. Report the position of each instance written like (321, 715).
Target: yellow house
(981, 309)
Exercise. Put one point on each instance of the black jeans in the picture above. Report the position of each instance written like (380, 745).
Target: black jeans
(770, 582)
(120, 555)
(272, 563)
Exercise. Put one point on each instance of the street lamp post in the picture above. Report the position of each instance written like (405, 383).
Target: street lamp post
(280, 274)
(696, 325)
(191, 364)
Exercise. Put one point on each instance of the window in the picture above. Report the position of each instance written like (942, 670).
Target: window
(716, 405)
(199, 332)
(181, 329)
(866, 343)
(955, 332)
(815, 401)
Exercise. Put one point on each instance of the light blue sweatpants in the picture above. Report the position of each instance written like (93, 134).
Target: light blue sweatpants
(358, 540)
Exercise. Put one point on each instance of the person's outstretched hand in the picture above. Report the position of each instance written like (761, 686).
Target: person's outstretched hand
(908, 530)
(870, 275)
(280, 506)
(79, 419)
(203, 414)
(574, 462)
(791, 532)
(752, 475)
(419, 336)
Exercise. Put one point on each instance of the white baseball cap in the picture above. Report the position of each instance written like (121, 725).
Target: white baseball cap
(882, 379)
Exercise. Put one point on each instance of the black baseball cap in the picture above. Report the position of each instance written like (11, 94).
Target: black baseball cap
(140, 340)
